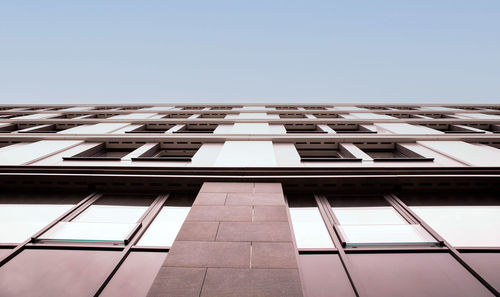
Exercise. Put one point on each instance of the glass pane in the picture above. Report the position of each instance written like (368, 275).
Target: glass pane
(20, 221)
(464, 225)
(385, 234)
(309, 228)
(166, 225)
(368, 215)
(88, 232)
(111, 214)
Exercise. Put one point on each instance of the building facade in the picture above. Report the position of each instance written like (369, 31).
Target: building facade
(250, 200)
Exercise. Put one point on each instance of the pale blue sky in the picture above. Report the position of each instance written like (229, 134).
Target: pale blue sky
(250, 51)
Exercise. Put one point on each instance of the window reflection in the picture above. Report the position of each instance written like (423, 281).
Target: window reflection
(166, 225)
(373, 221)
(111, 219)
(308, 226)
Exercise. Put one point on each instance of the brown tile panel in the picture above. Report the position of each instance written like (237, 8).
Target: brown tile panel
(255, 199)
(220, 213)
(210, 199)
(269, 214)
(273, 255)
(240, 234)
(178, 282)
(227, 282)
(254, 231)
(215, 187)
(209, 254)
(198, 231)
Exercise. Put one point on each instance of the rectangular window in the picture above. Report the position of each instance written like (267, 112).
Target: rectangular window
(152, 128)
(303, 128)
(450, 129)
(292, 116)
(212, 116)
(325, 115)
(159, 153)
(373, 221)
(325, 153)
(102, 152)
(394, 152)
(464, 221)
(163, 230)
(308, 225)
(177, 115)
(49, 128)
(111, 219)
(350, 128)
(22, 215)
(197, 128)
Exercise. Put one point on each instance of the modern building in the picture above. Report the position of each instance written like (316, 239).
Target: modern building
(246, 200)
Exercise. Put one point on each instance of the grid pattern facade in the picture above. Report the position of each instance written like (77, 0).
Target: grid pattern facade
(250, 200)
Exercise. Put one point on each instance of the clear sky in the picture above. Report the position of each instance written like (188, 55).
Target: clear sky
(250, 51)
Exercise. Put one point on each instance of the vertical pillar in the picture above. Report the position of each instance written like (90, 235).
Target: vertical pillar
(236, 241)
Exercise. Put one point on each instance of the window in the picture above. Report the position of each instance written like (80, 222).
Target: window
(50, 128)
(197, 128)
(127, 282)
(283, 107)
(351, 128)
(224, 107)
(177, 115)
(303, 128)
(447, 128)
(152, 128)
(191, 107)
(414, 274)
(467, 220)
(314, 108)
(325, 153)
(49, 272)
(373, 221)
(175, 153)
(212, 116)
(22, 215)
(308, 226)
(394, 152)
(292, 116)
(163, 230)
(326, 115)
(111, 219)
(102, 152)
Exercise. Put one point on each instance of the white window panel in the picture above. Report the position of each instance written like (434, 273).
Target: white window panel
(368, 215)
(385, 234)
(309, 229)
(464, 225)
(166, 225)
(88, 232)
(111, 214)
(20, 221)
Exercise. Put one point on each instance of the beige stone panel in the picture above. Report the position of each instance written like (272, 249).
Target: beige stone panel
(206, 154)
(404, 128)
(465, 152)
(35, 151)
(286, 154)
